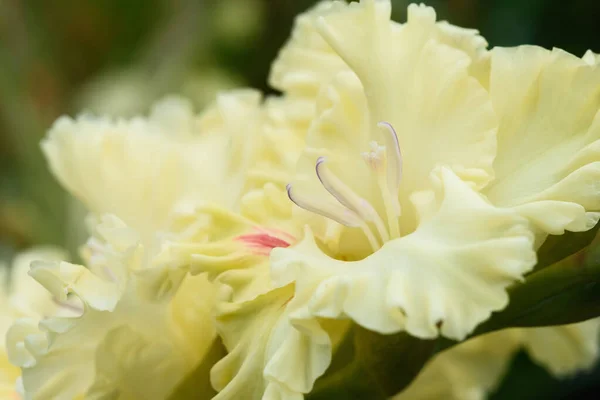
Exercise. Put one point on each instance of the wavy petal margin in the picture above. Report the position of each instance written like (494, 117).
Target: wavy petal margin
(445, 278)
(548, 161)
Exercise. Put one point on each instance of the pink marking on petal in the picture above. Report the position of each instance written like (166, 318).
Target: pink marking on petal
(265, 240)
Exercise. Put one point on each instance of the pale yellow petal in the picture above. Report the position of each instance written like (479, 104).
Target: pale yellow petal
(235, 122)
(283, 135)
(62, 279)
(548, 156)
(119, 340)
(145, 168)
(445, 278)
(225, 240)
(591, 58)
(191, 315)
(468, 371)
(268, 358)
(420, 86)
(564, 350)
(307, 61)
(123, 167)
(130, 367)
(408, 106)
(26, 296)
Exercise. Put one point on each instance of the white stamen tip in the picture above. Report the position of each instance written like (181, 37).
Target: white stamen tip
(395, 155)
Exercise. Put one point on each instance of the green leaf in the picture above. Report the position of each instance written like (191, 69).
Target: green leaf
(368, 365)
(559, 247)
(563, 293)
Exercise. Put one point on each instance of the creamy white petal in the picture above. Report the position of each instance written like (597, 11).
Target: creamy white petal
(144, 168)
(420, 86)
(27, 297)
(307, 61)
(130, 367)
(283, 135)
(124, 167)
(591, 58)
(268, 358)
(445, 278)
(112, 345)
(407, 106)
(548, 161)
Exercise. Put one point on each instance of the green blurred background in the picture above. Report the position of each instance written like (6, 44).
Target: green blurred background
(117, 56)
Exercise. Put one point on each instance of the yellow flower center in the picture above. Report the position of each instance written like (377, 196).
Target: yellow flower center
(349, 208)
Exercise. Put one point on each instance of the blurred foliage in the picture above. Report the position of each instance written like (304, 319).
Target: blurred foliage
(116, 57)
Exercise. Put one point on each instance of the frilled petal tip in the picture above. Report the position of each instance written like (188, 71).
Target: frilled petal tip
(306, 61)
(62, 279)
(268, 358)
(24, 342)
(548, 160)
(591, 58)
(444, 278)
(127, 167)
(564, 350)
(26, 295)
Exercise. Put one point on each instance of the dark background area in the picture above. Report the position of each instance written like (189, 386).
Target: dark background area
(116, 56)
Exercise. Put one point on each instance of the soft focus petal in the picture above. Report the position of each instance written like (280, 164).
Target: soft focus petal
(446, 277)
(282, 135)
(468, 371)
(129, 168)
(26, 296)
(122, 369)
(548, 149)
(119, 341)
(143, 169)
(564, 350)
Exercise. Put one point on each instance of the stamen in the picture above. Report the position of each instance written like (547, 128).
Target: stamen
(336, 212)
(347, 197)
(331, 210)
(391, 185)
(351, 209)
(394, 166)
(338, 189)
